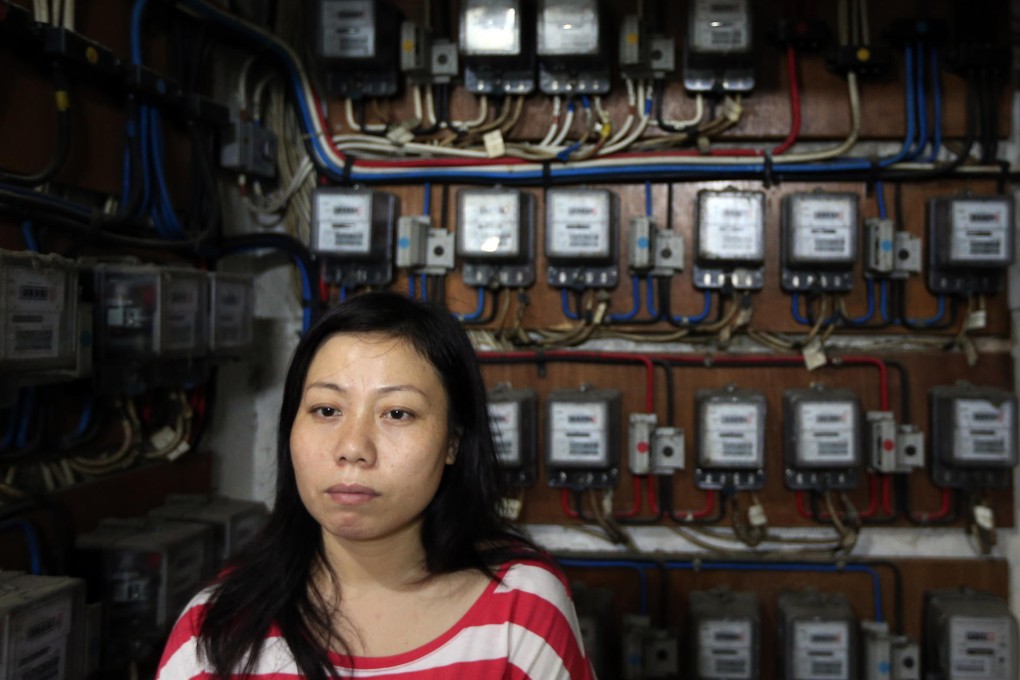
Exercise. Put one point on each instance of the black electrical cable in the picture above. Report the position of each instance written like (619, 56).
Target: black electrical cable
(63, 144)
(667, 372)
(898, 293)
(490, 316)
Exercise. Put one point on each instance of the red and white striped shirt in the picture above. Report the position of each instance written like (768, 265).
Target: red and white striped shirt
(522, 628)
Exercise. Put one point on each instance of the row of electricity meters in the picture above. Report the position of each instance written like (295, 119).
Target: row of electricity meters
(137, 575)
(354, 231)
(149, 324)
(366, 44)
(827, 438)
(967, 635)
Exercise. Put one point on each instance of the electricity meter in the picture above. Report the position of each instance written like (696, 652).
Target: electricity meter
(234, 523)
(725, 635)
(817, 636)
(580, 238)
(974, 439)
(571, 47)
(731, 240)
(819, 241)
(231, 314)
(498, 52)
(970, 243)
(823, 438)
(513, 415)
(39, 312)
(495, 237)
(731, 438)
(358, 39)
(969, 635)
(42, 627)
(352, 234)
(583, 438)
(718, 50)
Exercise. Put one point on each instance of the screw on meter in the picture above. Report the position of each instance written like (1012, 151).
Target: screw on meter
(819, 241)
(583, 438)
(512, 413)
(970, 243)
(731, 438)
(975, 436)
(969, 635)
(352, 233)
(718, 51)
(823, 438)
(731, 239)
(495, 237)
(818, 636)
(726, 629)
(580, 238)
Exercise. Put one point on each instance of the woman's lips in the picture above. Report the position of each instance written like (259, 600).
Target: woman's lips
(351, 494)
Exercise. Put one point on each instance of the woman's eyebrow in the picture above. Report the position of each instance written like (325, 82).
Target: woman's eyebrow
(386, 389)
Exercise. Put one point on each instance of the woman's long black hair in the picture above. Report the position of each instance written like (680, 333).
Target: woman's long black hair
(269, 582)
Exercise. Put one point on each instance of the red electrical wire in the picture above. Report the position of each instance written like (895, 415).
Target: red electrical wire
(565, 504)
(943, 511)
(704, 512)
(791, 63)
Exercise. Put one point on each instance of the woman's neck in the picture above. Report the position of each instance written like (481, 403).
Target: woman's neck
(392, 562)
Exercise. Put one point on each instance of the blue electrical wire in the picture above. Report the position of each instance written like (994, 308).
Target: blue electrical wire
(424, 288)
(932, 320)
(648, 199)
(479, 308)
(936, 92)
(701, 316)
(565, 304)
(908, 138)
(869, 284)
(410, 286)
(25, 421)
(31, 539)
(85, 420)
(29, 236)
(640, 567)
(880, 199)
(922, 105)
(635, 285)
(427, 202)
(650, 296)
(795, 310)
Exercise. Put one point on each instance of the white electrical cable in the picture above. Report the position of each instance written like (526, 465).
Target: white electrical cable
(483, 113)
(699, 113)
(557, 103)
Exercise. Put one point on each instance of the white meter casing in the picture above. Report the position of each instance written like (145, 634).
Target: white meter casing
(974, 439)
(497, 50)
(352, 235)
(513, 415)
(725, 635)
(583, 438)
(970, 243)
(495, 237)
(572, 47)
(969, 635)
(823, 432)
(581, 238)
(817, 636)
(359, 40)
(42, 627)
(718, 52)
(819, 241)
(731, 438)
(730, 228)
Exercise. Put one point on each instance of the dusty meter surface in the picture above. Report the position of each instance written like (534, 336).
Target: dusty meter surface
(231, 314)
(359, 41)
(42, 627)
(581, 238)
(583, 438)
(817, 636)
(234, 522)
(974, 442)
(731, 240)
(822, 431)
(497, 47)
(513, 414)
(725, 635)
(970, 243)
(731, 438)
(39, 312)
(819, 241)
(718, 52)
(352, 234)
(572, 47)
(969, 636)
(496, 237)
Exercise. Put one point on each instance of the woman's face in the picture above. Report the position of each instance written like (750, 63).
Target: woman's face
(370, 440)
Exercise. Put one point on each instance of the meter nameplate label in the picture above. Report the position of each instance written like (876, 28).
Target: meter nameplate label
(979, 648)
(731, 435)
(730, 228)
(979, 231)
(492, 28)
(569, 27)
(725, 650)
(821, 650)
(982, 432)
(180, 316)
(38, 639)
(491, 225)
(348, 29)
(344, 223)
(823, 229)
(580, 434)
(579, 225)
(35, 303)
(505, 418)
(721, 26)
(828, 434)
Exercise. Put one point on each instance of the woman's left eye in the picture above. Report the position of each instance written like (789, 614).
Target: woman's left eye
(398, 414)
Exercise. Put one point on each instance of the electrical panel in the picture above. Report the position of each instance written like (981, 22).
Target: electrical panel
(497, 50)
(234, 523)
(969, 635)
(730, 228)
(970, 243)
(231, 314)
(974, 436)
(583, 438)
(358, 40)
(819, 241)
(42, 627)
(513, 414)
(725, 635)
(352, 234)
(718, 52)
(731, 438)
(581, 237)
(822, 430)
(817, 636)
(572, 47)
(496, 237)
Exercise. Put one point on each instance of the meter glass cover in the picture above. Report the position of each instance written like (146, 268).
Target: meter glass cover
(828, 434)
(348, 29)
(730, 227)
(982, 431)
(725, 649)
(821, 650)
(181, 314)
(491, 27)
(720, 26)
(979, 231)
(731, 435)
(491, 224)
(568, 27)
(979, 648)
(344, 223)
(505, 418)
(579, 434)
(35, 303)
(823, 229)
(578, 224)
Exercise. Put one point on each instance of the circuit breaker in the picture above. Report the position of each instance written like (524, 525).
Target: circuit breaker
(652, 251)
(352, 235)
(358, 41)
(969, 635)
(822, 430)
(718, 52)
(42, 627)
(234, 523)
(513, 413)
(497, 46)
(970, 243)
(731, 438)
(817, 636)
(974, 436)
(725, 635)
(730, 228)
(885, 656)
(583, 438)
(819, 241)
(572, 47)
(231, 314)
(496, 237)
(581, 238)
(644, 53)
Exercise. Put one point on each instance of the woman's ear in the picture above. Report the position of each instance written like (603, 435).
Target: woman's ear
(452, 448)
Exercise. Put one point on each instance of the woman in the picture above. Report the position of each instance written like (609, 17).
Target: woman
(385, 555)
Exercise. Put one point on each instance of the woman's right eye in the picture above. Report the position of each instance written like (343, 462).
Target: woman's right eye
(326, 411)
